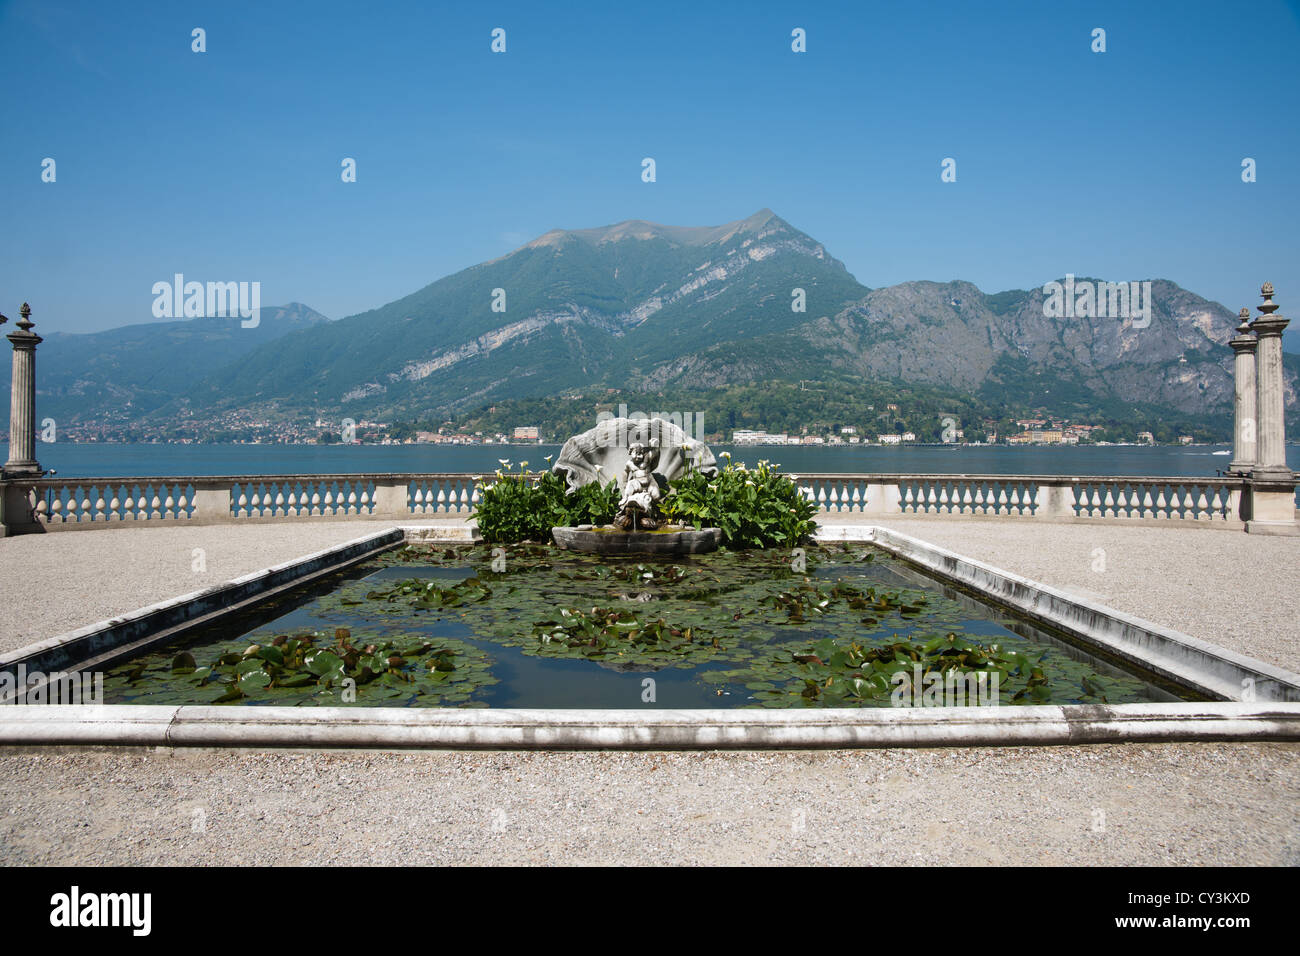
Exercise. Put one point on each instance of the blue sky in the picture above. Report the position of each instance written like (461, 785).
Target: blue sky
(225, 165)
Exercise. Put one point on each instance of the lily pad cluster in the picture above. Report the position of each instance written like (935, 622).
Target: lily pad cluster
(808, 599)
(425, 595)
(311, 668)
(623, 636)
(831, 674)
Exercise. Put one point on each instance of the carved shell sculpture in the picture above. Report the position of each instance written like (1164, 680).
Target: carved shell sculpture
(600, 453)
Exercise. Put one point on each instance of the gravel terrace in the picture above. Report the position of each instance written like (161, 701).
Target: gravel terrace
(1175, 804)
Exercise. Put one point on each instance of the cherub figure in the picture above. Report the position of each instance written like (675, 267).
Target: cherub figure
(638, 509)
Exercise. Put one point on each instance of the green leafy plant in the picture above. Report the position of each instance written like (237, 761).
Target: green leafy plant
(758, 508)
(525, 505)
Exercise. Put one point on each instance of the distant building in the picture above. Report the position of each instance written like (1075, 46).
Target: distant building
(1184, 439)
(1147, 438)
(889, 439)
(526, 433)
(745, 436)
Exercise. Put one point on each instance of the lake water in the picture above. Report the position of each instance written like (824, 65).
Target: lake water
(120, 461)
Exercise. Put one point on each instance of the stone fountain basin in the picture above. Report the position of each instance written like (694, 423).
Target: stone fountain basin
(670, 539)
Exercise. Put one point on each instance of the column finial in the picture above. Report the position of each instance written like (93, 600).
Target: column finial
(1244, 315)
(1269, 306)
(25, 322)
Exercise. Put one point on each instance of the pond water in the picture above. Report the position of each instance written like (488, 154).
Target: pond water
(533, 626)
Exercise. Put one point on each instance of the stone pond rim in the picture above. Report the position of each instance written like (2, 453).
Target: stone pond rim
(669, 539)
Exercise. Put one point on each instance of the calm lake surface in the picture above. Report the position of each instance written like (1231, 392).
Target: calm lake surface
(121, 461)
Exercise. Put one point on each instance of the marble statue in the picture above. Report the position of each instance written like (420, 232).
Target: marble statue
(638, 509)
(603, 453)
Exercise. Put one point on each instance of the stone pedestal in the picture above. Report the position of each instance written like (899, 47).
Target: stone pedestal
(883, 500)
(211, 502)
(668, 540)
(1055, 502)
(1272, 507)
(391, 500)
(17, 515)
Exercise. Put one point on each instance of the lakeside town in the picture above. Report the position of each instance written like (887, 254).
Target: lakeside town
(240, 429)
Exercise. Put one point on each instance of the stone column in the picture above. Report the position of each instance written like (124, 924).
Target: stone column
(1245, 418)
(22, 408)
(1272, 429)
(1271, 482)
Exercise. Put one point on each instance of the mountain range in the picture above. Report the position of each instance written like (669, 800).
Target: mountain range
(651, 307)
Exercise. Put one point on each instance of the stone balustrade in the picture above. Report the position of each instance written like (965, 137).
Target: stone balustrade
(1051, 497)
(75, 503)
(55, 504)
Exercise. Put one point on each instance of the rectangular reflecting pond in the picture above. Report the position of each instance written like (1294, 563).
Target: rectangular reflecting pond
(539, 627)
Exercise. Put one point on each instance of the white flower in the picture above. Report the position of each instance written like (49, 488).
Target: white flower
(503, 463)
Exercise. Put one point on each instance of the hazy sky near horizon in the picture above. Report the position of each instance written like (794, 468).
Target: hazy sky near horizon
(225, 165)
